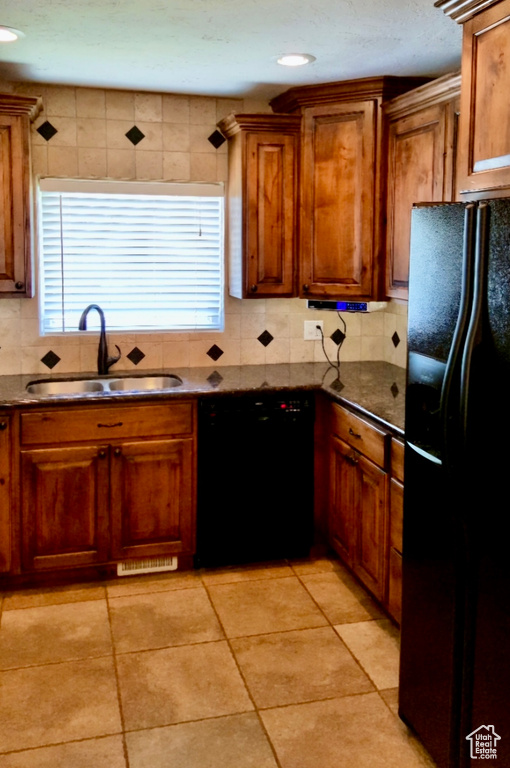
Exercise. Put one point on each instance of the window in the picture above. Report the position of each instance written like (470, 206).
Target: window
(151, 255)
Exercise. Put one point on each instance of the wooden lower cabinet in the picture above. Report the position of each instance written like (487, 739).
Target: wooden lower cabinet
(393, 600)
(5, 493)
(151, 501)
(358, 500)
(64, 507)
(89, 502)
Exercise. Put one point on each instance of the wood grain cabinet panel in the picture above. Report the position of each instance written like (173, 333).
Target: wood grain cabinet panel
(15, 200)
(5, 493)
(152, 498)
(422, 140)
(337, 200)
(358, 501)
(262, 204)
(64, 503)
(484, 161)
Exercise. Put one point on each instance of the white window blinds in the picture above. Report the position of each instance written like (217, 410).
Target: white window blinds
(151, 255)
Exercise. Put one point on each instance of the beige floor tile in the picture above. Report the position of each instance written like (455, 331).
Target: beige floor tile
(160, 619)
(156, 582)
(390, 696)
(58, 702)
(212, 576)
(106, 752)
(315, 565)
(54, 633)
(303, 665)
(237, 741)
(354, 731)
(376, 646)
(341, 598)
(259, 607)
(32, 598)
(173, 685)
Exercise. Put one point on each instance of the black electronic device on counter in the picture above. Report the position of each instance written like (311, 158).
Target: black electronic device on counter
(255, 478)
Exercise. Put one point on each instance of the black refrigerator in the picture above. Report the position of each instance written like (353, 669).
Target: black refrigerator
(455, 642)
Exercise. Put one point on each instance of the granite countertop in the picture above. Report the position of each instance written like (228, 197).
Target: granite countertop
(375, 388)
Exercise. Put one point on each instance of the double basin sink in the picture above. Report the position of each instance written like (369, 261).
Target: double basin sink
(121, 384)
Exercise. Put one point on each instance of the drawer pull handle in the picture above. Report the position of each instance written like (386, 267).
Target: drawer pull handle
(351, 460)
(110, 426)
(117, 452)
(354, 434)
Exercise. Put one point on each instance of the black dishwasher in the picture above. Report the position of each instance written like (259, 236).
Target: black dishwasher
(255, 478)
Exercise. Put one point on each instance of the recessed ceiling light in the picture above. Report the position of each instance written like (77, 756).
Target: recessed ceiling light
(9, 35)
(296, 59)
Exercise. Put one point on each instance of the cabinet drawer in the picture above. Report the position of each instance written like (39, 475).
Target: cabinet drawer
(364, 437)
(105, 424)
(397, 460)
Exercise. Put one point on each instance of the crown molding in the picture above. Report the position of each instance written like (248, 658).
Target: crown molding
(463, 10)
(12, 104)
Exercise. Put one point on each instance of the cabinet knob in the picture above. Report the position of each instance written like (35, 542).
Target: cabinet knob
(354, 434)
(102, 454)
(117, 452)
(19, 285)
(3, 425)
(306, 288)
(253, 288)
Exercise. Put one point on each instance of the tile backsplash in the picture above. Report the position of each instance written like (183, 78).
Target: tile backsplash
(96, 133)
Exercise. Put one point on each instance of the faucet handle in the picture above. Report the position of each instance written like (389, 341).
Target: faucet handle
(111, 360)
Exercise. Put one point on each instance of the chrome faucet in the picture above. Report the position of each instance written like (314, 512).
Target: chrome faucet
(103, 361)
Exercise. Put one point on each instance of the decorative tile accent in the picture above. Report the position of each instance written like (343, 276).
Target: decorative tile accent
(265, 338)
(338, 336)
(394, 389)
(216, 139)
(215, 352)
(395, 339)
(215, 379)
(136, 355)
(337, 385)
(135, 135)
(50, 359)
(47, 130)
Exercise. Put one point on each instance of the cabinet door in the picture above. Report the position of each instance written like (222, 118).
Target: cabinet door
(5, 494)
(394, 594)
(416, 157)
(484, 162)
(271, 212)
(343, 492)
(369, 563)
(152, 498)
(337, 197)
(15, 247)
(64, 493)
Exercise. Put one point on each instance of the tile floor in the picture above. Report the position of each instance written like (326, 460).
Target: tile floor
(286, 665)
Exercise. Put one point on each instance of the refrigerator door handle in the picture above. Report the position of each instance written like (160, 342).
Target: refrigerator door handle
(476, 320)
(451, 384)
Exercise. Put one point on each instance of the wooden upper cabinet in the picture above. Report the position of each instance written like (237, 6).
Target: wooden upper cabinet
(262, 203)
(15, 195)
(341, 184)
(484, 132)
(422, 139)
(337, 197)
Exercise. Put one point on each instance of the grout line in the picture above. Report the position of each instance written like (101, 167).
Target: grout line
(61, 743)
(56, 663)
(256, 709)
(117, 681)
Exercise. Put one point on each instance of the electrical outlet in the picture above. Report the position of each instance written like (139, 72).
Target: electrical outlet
(311, 332)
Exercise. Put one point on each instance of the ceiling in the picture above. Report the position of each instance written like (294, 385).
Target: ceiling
(223, 47)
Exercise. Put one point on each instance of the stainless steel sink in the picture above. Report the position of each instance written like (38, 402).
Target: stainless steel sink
(74, 387)
(136, 383)
(124, 384)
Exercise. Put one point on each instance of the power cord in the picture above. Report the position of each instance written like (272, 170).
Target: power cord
(333, 365)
